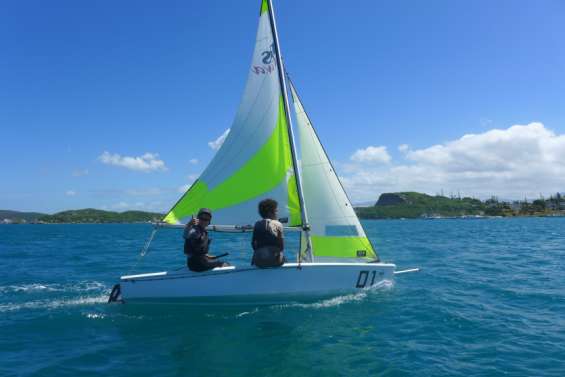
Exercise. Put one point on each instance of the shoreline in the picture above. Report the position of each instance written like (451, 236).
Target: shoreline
(360, 218)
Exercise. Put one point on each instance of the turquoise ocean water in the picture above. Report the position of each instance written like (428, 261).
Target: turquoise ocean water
(490, 301)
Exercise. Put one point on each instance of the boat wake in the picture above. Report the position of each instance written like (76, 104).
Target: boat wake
(345, 299)
(81, 286)
(53, 304)
(49, 296)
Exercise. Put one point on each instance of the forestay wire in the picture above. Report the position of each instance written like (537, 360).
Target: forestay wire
(144, 250)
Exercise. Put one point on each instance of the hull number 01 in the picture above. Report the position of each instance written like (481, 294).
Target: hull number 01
(367, 278)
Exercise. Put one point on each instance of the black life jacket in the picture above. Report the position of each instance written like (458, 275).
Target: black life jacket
(263, 235)
(197, 242)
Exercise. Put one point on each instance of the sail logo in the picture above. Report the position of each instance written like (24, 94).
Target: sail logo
(268, 58)
(269, 55)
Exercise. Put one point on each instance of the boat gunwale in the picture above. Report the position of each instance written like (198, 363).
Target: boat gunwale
(164, 275)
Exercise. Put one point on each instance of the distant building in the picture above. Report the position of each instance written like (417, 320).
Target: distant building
(516, 205)
(555, 205)
(555, 202)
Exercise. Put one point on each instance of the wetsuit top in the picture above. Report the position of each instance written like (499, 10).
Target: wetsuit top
(265, 233)
(196, 242)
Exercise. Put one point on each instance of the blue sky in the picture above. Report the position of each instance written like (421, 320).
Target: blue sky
(391, 86)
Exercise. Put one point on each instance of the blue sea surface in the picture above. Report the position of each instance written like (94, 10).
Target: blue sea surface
(489, 301)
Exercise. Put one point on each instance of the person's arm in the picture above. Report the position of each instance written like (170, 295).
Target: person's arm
(186, 247)
(254, 242)
(188, 227)
(280, 238)
(254, 238)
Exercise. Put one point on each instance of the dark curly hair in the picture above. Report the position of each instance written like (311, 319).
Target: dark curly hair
(267, 207)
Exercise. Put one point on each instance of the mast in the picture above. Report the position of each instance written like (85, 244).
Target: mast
(305, 223)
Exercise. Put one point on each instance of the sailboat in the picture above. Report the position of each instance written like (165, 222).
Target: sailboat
(259, 160)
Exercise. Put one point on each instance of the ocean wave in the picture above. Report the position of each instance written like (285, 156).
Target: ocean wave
(54, 304)
(243, 314)
(81, 286)
(34, 287)
(95, 315)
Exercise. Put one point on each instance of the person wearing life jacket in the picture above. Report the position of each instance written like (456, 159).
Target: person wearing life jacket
(268, 240)
(197, 243)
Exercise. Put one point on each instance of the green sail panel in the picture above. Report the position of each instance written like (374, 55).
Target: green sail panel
(264, 6)
(255, 160)
(351, 247)
(335, 230)
(270, 168)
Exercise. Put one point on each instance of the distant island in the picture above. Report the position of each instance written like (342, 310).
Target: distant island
(411, 205)
(87, 215)
(398, 205)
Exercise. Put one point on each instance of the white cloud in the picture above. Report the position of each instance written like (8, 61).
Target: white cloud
(145, 163)
(184, 188)
(403, 148)
(522, 160)
(371, 154)
(155, 206)
(193, 161)
(70, 193)
(216, 144)
(154, 191)
(496, 151)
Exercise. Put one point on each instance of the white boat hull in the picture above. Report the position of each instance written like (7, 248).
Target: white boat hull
(288, 283)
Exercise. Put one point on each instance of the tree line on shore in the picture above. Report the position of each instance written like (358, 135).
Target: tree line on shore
(88, 215)
(389, 206)
(417, 205)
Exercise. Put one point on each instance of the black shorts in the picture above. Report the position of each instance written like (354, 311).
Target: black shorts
(268, 256)
(201, 264)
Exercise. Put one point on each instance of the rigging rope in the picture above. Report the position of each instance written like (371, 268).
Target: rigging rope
(145, 249)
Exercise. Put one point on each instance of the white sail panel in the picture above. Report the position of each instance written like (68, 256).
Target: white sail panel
(255, 160)
(336, 233)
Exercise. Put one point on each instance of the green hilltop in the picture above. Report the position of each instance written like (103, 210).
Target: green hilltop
(416, 205)
(90, 215)
(17, 216)
(409, 205)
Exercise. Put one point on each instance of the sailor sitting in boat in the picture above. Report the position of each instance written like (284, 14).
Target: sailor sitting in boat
(196, 243)
(268, 241)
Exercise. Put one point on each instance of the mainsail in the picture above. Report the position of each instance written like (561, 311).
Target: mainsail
(255, 160)
(336, 233)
